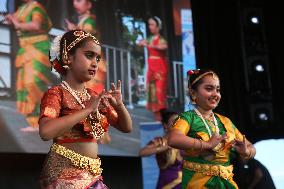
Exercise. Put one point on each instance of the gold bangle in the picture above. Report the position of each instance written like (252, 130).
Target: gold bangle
(157, 148)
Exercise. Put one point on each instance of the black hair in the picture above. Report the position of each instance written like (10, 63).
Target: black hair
(193, 75)
(155, 18)
(166, 115)
(70, 37)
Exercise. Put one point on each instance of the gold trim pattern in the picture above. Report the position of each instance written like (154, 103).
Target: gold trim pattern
(78, 160)
(204, 74)
(81, 35)
(32, 39)
(208, 169)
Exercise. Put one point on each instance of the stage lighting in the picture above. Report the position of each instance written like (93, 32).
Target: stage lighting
(262, 112)
(258, 66)
(262, 115)
(253, 17)
(258, 77)
(254, 20)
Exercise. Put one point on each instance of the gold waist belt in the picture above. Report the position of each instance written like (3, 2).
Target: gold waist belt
(208, 169)
(32, 39)
(78, 160)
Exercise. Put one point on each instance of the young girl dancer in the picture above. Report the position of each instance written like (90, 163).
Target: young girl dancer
(208, 138)
(75, 117)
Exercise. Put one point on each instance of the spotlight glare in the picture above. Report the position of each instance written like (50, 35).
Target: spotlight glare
(254, 20)
(263, 116)
(259, 68)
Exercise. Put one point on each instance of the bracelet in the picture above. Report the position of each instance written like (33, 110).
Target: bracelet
(157, 148)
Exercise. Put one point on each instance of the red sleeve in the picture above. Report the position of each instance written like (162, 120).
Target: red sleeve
(51, 103)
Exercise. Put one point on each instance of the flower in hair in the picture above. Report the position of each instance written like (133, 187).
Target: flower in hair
(55, 48)
(191, 72)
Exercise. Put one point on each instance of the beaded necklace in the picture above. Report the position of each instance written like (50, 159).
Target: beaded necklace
(205, 123)
(76, 94)
(97, 129)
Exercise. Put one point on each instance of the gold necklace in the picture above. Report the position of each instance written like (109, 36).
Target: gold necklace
(76, 94)
(205, 123)
(217, 130)
(94, 120)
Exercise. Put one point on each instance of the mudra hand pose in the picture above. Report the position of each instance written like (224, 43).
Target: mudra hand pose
(207, 137)
(75, 117)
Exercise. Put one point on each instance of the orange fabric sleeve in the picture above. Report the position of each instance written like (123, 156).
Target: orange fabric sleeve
(51, 103)
(181, 125)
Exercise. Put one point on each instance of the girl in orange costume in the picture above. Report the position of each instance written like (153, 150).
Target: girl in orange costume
(75, 116)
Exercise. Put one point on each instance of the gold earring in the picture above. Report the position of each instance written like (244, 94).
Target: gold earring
(193, 101)
(65, 54)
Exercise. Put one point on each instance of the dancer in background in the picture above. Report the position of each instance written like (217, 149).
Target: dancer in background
(75, 117)
(207, 137)
(33, 68)
(157, 68)
(169, 159)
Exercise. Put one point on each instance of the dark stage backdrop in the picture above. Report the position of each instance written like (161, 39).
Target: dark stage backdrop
(23, 170)
(219, 47)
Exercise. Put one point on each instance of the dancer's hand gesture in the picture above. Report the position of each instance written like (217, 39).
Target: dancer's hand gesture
(241, 146)
(116, 96)
(95, 101)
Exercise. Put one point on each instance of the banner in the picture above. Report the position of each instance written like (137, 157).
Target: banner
(188, 50)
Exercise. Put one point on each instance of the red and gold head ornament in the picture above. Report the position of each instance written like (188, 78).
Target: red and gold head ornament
(196, 75)
(63, 44)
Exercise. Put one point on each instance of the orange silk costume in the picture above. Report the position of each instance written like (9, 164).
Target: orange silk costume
(59, 171)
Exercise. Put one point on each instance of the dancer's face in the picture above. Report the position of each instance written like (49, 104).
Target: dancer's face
(207, 94)
(153, 27)
(82, 6)
(84, 62)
